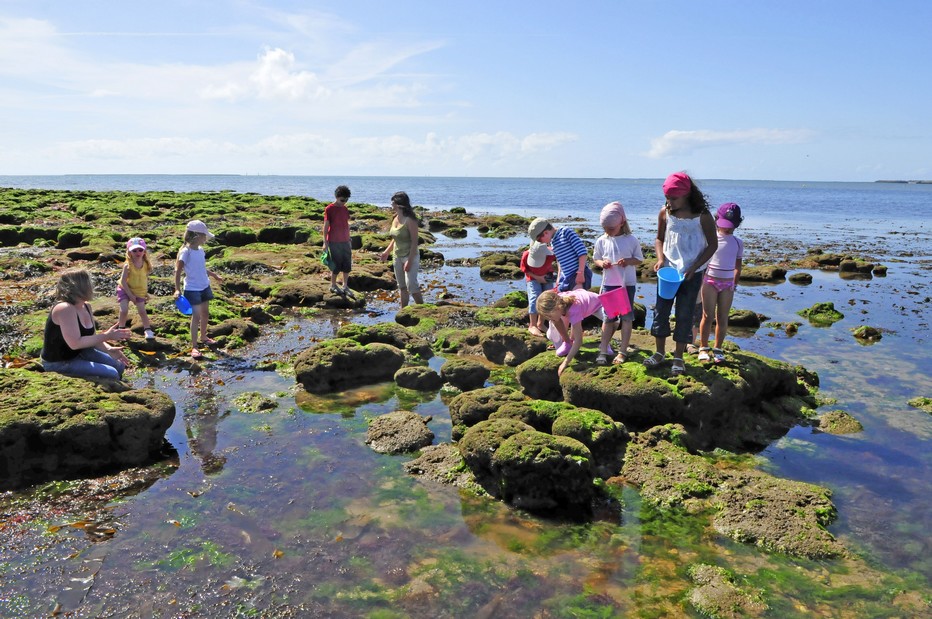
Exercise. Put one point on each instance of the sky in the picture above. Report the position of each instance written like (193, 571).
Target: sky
(726, 89)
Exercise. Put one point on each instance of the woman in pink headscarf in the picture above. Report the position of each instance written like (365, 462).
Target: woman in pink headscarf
(686, 240)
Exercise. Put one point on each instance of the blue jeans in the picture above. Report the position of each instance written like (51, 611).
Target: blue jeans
(685, 299)
(568, 280)
(89, 362)
(534, 288)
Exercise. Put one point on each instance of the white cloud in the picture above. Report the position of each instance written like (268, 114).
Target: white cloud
(685, 142)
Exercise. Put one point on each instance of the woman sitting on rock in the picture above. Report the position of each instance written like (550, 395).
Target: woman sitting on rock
(71, 344)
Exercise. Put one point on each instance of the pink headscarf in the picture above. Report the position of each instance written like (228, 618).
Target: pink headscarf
(677, 185)
(612, 214)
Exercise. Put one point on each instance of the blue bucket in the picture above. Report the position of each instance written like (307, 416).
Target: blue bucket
(183, 305)
(668, 282)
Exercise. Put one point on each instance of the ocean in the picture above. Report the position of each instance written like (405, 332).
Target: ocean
(880, 477)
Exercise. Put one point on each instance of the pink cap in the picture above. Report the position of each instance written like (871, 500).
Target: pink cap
(677, 185)
(135, 243)
(612, 215)
(728, 216)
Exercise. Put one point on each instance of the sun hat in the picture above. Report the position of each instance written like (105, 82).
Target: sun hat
(537, 227)
(200, 227)
(612, 215)
(537, 254)
(135, 243)
(677, 185)
(728, 215)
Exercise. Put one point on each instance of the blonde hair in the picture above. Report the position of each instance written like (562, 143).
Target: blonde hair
(549, 302)
(147, 264)
(189, 236)
(74, 285)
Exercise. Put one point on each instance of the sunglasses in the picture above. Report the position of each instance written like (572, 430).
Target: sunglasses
(138, 250)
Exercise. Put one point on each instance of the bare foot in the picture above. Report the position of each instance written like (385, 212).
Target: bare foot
(535, 331)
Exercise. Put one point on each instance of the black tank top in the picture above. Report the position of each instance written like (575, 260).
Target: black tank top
(54, 347)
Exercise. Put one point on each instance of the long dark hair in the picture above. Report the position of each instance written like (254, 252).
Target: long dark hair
(403, 202)
(697, 200)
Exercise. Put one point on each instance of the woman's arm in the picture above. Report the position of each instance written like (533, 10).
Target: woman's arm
(711, 239)
(658, 242)
(411, 223)
(65, 315)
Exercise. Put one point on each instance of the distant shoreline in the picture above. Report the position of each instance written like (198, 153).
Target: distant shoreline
(907, 182)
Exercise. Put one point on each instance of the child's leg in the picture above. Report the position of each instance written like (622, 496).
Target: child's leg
(204, 313)
(143, 315)
(608, 330)
(725, 298)
(195, 325)
(124, 312)
(627, 327)
(710, 297)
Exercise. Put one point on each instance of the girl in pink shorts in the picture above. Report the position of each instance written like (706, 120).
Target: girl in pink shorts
(720, 281)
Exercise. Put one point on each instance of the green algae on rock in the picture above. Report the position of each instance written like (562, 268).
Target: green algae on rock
(56, 427)
(838, 422)
(342, 363)
(821, 314)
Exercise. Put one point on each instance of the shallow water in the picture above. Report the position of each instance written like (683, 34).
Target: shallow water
(289, 513)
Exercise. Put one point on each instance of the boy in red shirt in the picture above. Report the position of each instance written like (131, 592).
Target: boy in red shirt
(537, 266)
(337, 241)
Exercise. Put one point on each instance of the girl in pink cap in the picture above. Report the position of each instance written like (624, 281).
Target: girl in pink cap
(685, 240)
(721, 279)
(134, 284)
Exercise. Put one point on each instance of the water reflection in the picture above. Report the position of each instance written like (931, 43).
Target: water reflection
(202, 417)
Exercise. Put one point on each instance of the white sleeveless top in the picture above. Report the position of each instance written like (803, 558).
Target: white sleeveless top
(683, 242)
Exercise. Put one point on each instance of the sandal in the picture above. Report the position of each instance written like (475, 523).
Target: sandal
(620, 358)
(678, 367)
(602, 359)
(336, 291)
(718, 355)
(196, 354)
(691, 349)
(704, 354)
(654, 360)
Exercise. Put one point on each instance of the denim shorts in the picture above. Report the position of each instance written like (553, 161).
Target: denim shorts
(534, 288)
(196, 297)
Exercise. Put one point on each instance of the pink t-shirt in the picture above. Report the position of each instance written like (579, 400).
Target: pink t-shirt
(587, 303)
(722, 264)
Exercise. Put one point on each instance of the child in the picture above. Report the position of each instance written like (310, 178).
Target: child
(193, 262)
(569, 309)
(537, 266)
(721, 279)
(71, 344)
(570, 252)
(134, 284)
(617, 252)
(337, 240)
(685, 240)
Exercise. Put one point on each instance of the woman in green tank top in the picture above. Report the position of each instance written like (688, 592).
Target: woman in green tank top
(404, 248)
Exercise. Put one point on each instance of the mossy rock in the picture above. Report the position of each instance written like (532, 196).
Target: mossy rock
(749, 506)
(464, 374)
(56, 427)
(482, 440)
(867, 334)
(342, 363)
(500, 265)
(716, 594)
(538, 377)
(387, 333)
(802, 279)
(922, 403)
(763, 274)
(822, 314)
(398, 432)
(839, 422)
(419, 378)
(254, 402)
(538, 471)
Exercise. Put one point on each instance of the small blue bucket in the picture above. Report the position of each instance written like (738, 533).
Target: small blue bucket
(668, 282)
(183, 305)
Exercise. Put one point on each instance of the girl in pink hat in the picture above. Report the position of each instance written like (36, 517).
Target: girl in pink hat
(720, 281)
(685, 240)
(134, 284)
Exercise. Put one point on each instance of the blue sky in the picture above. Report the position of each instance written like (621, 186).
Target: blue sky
(784, 90)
